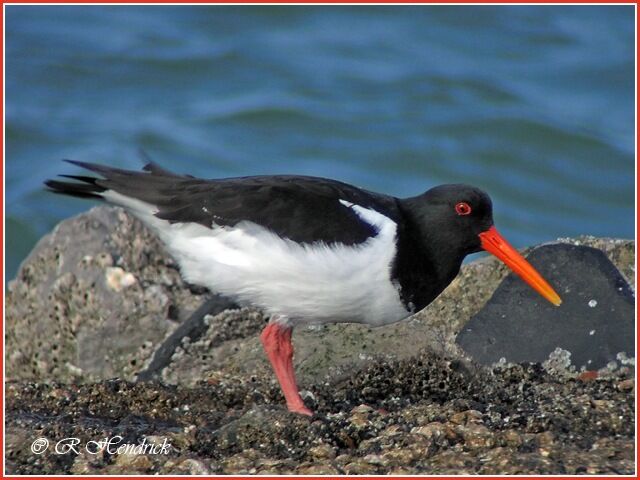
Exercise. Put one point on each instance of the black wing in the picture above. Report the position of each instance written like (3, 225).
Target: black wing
(303, 209)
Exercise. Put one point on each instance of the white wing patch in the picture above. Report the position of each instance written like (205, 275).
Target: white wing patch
(306, 283)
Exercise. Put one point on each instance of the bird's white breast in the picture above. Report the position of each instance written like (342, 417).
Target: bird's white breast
(304, 283)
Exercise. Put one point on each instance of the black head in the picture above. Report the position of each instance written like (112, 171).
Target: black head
(453, 215)
(456, 220)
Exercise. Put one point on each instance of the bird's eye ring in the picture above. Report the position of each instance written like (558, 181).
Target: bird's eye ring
(463, 208)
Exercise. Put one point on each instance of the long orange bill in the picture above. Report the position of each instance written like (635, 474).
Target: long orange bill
(494, 243)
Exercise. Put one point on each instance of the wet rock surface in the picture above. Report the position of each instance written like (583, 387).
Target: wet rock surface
(423, 415)
(99, 297)
(594, 324)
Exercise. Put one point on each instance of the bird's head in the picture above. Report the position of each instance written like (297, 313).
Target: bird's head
(459, 218)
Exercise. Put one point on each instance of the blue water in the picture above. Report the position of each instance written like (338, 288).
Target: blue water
(535, 104)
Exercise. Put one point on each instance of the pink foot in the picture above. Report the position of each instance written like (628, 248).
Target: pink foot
(276, 340)
(302, 410)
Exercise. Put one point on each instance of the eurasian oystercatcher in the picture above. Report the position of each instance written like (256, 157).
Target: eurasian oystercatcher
(308, 250)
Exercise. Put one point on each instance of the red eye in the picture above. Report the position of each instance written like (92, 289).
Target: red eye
(463, 208)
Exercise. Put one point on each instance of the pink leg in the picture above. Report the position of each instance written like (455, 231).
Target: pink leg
(276, 340)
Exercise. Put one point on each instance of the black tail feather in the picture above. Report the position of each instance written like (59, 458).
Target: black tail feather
(75, 189)
(145, 185)
(101, 169)
(82, 178)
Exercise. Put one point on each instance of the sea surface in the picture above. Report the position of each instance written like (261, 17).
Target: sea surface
(534, 104)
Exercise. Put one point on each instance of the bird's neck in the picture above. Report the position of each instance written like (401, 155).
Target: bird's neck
(421, 262)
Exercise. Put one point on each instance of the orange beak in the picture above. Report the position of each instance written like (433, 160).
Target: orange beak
(494, 243)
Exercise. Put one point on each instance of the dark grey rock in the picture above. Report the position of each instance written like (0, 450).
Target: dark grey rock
(192, 328)
(594, 324)
(93, 300)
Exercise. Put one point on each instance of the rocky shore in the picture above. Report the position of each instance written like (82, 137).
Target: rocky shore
(99, 305)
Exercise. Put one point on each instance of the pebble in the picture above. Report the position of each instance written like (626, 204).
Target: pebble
(359, 467)
(435, 431)
(322, 451)
(477, 436)
(360, 420)
(135, 461)
(545, 439)
(237, 464)
(316, 470)
(468, 416)
(194, 467)
(626, 385)
(511, 438)
(400, 457)
(117, 279)
(588, 376)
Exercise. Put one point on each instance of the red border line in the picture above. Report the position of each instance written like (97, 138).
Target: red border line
(289, 2)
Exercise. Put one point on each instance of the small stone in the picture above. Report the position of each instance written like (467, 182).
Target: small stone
(392, 431)
(435, 431)
(362, 409)
(343, 459)
(545, 439)
(400, 457)
(82, 465)
(73, 370)
(451, 432)
(359, 467)
(593, 303)
(588, 376)
(477, 436)
(602, 405)
(194, 467)
(626, 385)
(184, 439)
(403, 471)
(359, 420)
(317, 470)
(468, 416)
(373, 459)
(512, 438)
(59, 393)
(269, 464)
(322, 451)
(135, 461)
(237, 464)
(118, 279)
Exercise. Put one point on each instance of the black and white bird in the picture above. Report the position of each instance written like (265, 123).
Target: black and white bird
(308, 250)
